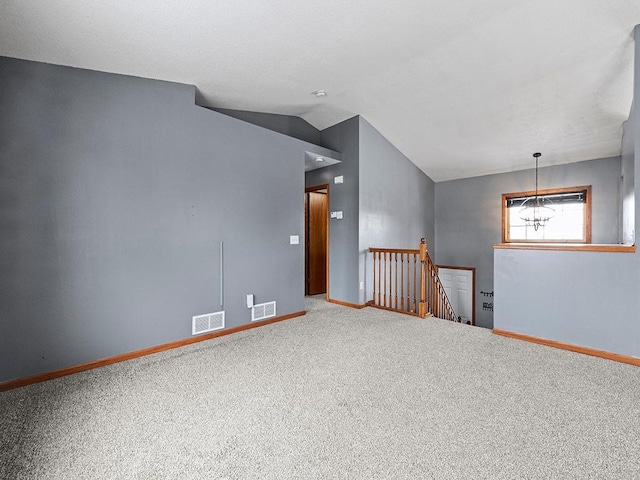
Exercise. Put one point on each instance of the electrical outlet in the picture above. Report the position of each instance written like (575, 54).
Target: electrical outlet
(361, 285)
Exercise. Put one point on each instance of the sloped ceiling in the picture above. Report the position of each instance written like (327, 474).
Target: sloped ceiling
(462, 88)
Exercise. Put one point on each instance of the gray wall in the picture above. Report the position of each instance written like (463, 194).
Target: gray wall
(343, 234)
(396, 202)
(386, 201)
(628, 182)
(629, 149)
(469, 214)
(590, 299)
(116, 192)
(287, 125)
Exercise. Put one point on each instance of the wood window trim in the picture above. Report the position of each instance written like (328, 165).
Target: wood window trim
(567, 247)
(548, 191)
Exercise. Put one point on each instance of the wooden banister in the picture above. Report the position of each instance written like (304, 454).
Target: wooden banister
(422, 312)
(395, 276)
(393, 288)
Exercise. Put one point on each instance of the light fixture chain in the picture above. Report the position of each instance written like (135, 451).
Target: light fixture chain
(536, 179)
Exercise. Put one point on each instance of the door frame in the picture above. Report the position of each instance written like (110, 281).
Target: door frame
(473, 287)
(306, 245)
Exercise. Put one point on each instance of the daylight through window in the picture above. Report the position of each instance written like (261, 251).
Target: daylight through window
(570, 221)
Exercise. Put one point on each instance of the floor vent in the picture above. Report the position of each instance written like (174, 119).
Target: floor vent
(262, 311)
(207, 323)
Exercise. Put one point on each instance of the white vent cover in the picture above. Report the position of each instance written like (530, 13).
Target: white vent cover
(207, 323)
(263, 310)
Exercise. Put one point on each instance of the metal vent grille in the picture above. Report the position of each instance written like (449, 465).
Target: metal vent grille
(207, 323)
(263, 310)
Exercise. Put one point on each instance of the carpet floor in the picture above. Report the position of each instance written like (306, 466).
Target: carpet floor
(338, 393)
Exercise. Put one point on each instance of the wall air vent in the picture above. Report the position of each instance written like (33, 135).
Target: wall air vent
(262, 311)
(207, 323)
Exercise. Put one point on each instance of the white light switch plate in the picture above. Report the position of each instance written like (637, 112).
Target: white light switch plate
(339, 179)
(294, 239)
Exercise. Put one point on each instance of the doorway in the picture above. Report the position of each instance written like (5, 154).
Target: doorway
(460, 285)
(316, 216)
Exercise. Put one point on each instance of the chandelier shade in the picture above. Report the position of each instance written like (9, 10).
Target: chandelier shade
(536, 212)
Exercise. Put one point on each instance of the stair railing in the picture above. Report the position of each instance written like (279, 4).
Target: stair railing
(397, 275)
(406, 281)
(435, 297)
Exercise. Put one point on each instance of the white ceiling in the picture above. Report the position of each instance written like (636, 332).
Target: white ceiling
(462, 88)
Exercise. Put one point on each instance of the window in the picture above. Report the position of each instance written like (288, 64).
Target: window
(570, 222)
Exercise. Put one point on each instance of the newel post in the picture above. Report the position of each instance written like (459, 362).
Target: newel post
(422, 309)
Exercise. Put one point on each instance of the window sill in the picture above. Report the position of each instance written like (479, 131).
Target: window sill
(568, 247)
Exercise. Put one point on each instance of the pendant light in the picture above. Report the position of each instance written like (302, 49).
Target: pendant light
(536, 211)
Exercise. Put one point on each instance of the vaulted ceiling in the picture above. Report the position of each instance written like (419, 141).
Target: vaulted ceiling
(462, 88)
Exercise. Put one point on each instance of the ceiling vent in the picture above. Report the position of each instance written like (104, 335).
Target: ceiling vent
(207, 323)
